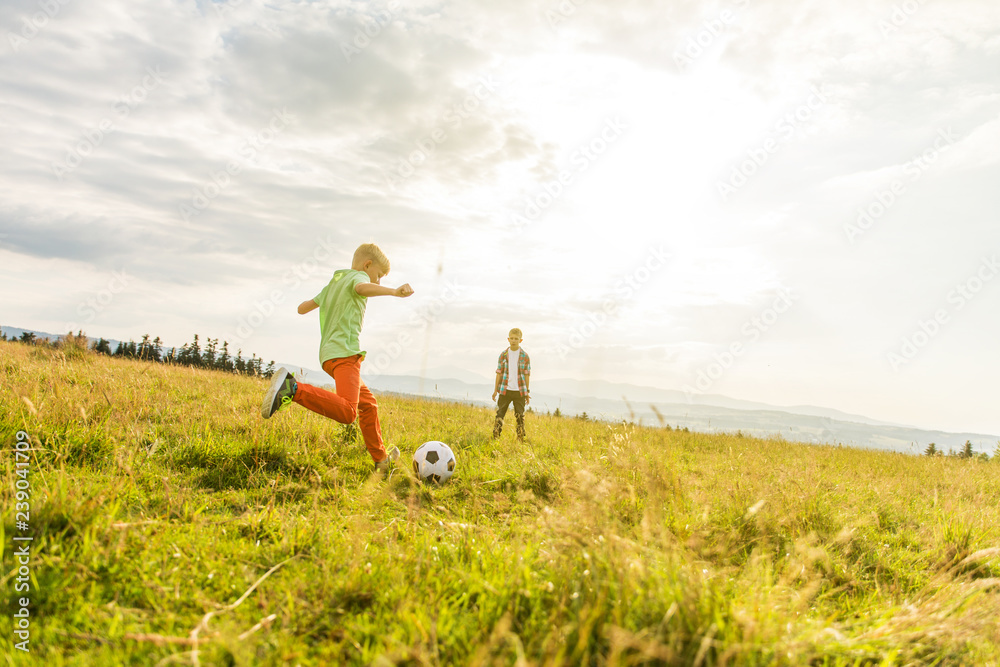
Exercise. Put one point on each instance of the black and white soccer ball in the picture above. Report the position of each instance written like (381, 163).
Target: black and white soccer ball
(434, 462)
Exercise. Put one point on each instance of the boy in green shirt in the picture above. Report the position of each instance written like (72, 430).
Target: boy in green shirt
(341, 307)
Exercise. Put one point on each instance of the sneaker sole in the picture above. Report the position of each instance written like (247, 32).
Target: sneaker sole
(267, 407)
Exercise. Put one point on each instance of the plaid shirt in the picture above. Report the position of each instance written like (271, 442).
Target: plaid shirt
(523, 371)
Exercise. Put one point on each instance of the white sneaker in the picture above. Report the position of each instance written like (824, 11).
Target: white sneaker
(386, 463)
(279, 394)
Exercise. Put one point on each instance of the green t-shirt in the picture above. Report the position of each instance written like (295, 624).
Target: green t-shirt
(341, 314)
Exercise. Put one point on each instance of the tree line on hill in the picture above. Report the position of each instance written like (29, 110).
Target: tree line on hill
(212, 356)
(965, 452)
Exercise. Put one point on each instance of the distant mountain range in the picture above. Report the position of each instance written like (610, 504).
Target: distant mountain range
(611, 401)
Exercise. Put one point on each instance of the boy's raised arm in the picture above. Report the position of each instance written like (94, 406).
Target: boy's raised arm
(373, 289)
(307, 306)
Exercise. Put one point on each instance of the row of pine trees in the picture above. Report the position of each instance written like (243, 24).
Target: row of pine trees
(965, 453)
(211, 356)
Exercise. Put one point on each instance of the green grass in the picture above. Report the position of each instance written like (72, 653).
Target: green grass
(160, 499)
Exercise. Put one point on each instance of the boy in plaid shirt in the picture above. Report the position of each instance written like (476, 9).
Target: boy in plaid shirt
(512, 386)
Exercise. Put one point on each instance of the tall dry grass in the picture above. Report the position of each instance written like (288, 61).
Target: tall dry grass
(173, 525)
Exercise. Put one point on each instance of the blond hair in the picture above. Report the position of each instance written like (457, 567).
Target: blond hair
(515, 330)
(370, 251)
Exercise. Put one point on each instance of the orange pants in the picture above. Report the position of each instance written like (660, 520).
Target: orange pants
(353, 400)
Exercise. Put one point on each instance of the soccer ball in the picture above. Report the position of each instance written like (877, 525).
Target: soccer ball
(434, 462)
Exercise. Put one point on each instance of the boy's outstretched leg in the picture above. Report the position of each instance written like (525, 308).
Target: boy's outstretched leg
(341, 405)
(352, 400)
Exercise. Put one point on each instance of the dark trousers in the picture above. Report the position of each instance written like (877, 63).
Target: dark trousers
(503, 403)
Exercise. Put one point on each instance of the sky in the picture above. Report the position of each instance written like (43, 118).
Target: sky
(792, 203)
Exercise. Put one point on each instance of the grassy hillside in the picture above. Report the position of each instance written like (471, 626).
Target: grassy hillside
(173, 525)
